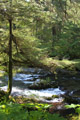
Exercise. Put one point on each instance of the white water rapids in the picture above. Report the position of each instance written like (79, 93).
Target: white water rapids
(26, 79)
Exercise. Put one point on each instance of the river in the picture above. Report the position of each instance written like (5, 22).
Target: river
(28, 76)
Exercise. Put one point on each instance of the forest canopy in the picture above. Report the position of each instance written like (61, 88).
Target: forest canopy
(40, 39)
(49, 27)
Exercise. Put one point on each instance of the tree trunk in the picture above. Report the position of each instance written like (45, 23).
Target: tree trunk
(10, 58)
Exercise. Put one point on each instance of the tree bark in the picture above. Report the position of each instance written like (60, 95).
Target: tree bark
(10, 58)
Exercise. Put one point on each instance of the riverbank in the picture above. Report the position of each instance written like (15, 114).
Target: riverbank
(50, 64)
(32, 109)
(26, 76)
(64, 74)
(65, 65)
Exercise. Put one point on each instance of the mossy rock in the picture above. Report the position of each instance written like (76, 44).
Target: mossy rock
(43, 86)
(48, 98)
(70, 100)
(55, 96)
(52, 97)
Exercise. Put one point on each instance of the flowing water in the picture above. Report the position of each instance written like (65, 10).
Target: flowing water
(29, 76)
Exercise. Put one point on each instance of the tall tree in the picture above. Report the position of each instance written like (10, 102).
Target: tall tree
(6, 12)
(12, 11)
(10, 52)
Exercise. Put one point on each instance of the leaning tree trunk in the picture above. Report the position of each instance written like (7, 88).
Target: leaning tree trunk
(10, 58)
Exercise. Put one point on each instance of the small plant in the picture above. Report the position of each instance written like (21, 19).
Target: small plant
(18, 112)
(77, 110)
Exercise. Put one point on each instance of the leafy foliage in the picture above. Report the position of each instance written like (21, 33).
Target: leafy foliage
(77, 110)
(40, 27)
(16, 112)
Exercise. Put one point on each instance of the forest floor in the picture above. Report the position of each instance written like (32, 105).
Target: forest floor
(65, 65)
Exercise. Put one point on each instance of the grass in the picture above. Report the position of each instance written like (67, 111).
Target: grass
(66, 64)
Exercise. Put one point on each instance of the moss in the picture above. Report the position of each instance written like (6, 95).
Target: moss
(48, 98)
(55, 96)
(55, 64)
(52, 97)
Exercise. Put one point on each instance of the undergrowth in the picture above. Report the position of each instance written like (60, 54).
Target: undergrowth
(77, 111)
(27, 111)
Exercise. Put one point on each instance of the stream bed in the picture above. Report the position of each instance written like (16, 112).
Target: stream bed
(26, 77)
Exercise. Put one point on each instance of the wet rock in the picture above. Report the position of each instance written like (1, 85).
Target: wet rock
(69, 99)
(43, 85)
(76, 93)
(48, 98)
(52, 97)
(55, 96)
